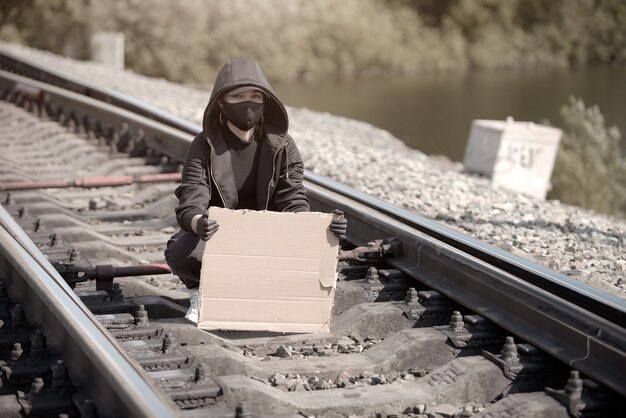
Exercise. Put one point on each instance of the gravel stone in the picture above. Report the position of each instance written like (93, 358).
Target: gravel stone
(355, 336)
(347, 341)
(283, 351)
(327, 352)
(345, 345)
(588, 246)
(444, 410)
(279, 380)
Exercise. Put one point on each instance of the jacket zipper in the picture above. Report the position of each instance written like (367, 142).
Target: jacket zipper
(213, 178)
(267, 203)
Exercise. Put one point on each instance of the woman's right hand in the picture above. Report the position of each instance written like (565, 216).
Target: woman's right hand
(206, 228)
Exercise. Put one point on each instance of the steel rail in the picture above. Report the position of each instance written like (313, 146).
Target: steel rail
(96, 362)
(169, 141)
(597, 301)
(33, 70)
(578, 324)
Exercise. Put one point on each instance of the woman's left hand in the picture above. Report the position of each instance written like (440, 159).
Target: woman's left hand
(339, 224)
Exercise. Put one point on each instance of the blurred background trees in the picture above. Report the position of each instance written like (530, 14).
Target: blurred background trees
(589, 169)
(188, 40)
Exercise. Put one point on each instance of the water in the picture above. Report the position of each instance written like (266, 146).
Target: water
(433, 112)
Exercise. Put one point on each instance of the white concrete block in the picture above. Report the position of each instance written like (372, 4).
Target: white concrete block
(516, 155)
(108, 48)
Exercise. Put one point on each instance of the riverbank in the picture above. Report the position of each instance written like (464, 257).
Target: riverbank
(583, 244)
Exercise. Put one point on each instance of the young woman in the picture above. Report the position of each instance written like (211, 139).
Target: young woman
(242, 159)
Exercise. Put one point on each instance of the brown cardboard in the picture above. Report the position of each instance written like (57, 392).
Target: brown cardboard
(268, 271)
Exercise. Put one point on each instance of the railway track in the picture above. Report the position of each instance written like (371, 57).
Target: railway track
(426, 321)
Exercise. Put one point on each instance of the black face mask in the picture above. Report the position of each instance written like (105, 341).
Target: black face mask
(244, 115)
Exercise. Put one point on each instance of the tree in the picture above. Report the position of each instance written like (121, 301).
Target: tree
(589, 170)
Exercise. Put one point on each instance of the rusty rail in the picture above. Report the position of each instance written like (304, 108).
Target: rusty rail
(91, 182)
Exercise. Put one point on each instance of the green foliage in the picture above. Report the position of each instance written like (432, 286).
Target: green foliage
(299, 39)
(607, 33)
(163, 38)
(589, 170)
(55, 25)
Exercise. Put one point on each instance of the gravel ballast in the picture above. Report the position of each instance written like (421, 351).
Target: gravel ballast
(583, 244)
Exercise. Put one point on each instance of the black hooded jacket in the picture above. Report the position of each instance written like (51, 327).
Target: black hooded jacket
(208, 177)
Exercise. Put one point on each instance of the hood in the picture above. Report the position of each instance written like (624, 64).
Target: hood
(239, 73)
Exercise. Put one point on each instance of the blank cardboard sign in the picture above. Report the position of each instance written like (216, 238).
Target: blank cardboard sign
(268, 271)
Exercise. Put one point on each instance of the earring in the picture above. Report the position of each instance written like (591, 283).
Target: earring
(221, 121)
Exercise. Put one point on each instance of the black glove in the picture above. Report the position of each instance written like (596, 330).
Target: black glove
(339, 225)
(206, 227)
